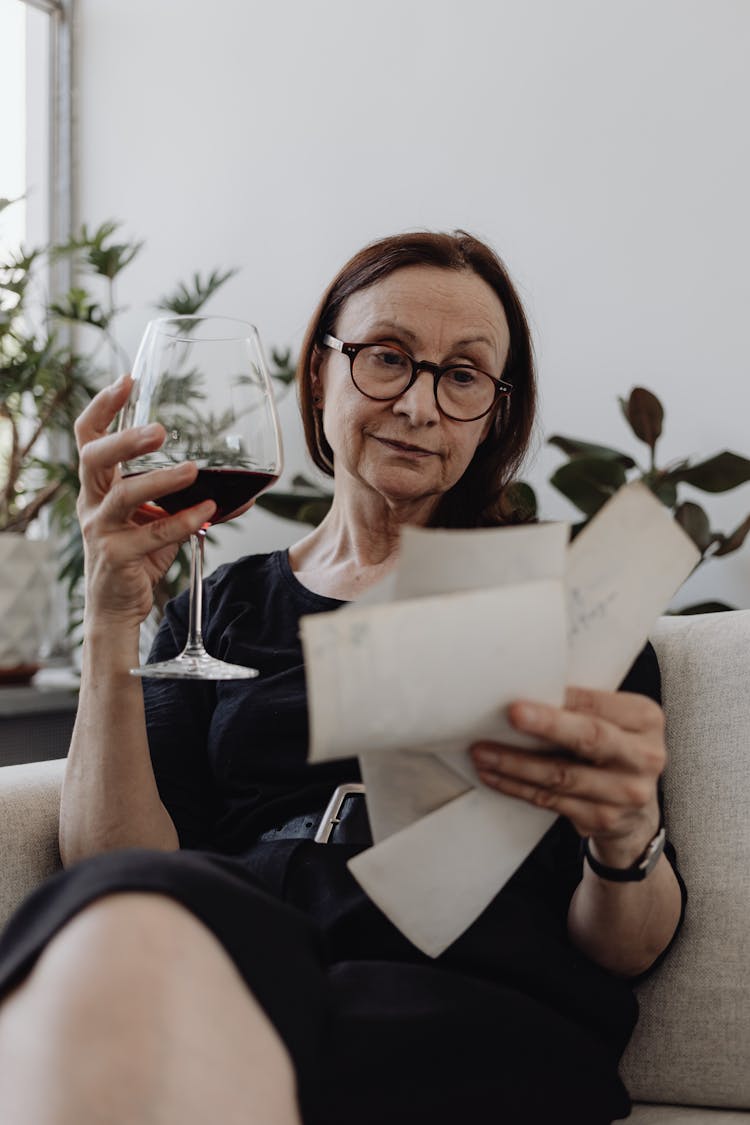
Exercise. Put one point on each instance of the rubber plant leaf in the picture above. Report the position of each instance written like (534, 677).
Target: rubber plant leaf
(575, 448)
(521, 499)
(694, 522)
(588, 482)
(721, 473)
(645, 415)
(733, 542)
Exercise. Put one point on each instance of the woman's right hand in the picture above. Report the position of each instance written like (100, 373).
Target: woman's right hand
(128, 547)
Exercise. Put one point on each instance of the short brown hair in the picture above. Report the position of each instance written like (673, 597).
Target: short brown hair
(478, 499)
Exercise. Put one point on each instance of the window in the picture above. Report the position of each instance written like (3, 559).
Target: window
(35, 149)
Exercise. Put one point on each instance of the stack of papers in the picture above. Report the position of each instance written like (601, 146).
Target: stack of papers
(425, 665)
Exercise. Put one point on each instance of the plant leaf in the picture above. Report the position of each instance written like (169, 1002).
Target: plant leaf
(284, 367)
(729, 543)
(77, 305)
(589, 482)
(644, 414)
(721, 473)
(521, 499)
(575, 448)
(188, 300)
(105, 260)
(694, 522)
(296, 506)
(704, 607)
(302, 482)
(662, 486)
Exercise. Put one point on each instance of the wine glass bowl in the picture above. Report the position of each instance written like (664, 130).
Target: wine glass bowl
(205, 380)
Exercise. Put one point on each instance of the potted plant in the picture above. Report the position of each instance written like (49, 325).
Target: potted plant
(45, 381)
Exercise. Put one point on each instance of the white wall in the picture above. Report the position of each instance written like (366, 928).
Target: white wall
(602, 147)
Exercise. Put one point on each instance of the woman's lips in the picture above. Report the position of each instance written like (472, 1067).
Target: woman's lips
(407, 449)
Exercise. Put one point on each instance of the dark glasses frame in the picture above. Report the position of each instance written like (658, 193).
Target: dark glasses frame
(502, 387)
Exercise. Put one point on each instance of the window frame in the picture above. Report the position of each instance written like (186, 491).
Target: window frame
(60, 188)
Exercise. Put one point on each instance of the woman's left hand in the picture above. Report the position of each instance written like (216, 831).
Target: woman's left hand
(606, 754)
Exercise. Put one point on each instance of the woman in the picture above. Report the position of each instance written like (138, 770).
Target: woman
(246, 978)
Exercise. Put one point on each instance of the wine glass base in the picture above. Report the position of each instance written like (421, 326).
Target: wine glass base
(203, 667)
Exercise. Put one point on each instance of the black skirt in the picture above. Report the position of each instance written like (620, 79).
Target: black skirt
(376, 1031)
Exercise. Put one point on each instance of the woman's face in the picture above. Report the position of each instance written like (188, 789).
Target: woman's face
(405, 450)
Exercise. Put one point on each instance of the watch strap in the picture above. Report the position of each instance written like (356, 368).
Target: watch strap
(637, 870)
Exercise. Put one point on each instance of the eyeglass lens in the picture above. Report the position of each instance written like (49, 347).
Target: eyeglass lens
(383, 373)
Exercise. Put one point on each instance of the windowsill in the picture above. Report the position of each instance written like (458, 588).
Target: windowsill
(51, 690)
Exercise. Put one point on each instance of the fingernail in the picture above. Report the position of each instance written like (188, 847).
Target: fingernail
(526, 713)
(150, 431)
(484, 757)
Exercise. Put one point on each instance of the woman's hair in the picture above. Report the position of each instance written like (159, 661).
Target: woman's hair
(479, 498)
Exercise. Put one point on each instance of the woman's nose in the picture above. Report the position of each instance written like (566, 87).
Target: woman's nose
(418, 403)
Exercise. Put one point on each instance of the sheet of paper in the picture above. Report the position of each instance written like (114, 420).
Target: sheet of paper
(432, 672)
(403, 787)
(434, 561)
(436, 877)
(623, 569)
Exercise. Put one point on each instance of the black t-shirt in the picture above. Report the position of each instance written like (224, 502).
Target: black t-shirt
(230, 759)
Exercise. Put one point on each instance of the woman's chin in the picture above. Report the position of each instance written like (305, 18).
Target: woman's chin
(406, 492)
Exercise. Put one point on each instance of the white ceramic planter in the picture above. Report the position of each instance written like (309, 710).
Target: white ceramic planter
(26, 582)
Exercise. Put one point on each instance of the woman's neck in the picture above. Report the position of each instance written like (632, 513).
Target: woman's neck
(351, 551)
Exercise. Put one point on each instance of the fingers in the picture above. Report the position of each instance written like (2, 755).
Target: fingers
(628, 710)
(522, 773)
(161, 531)
(603, 728)
(101, 456)
(589, 817)
(129, 493)
(98, 416)
(606, 778)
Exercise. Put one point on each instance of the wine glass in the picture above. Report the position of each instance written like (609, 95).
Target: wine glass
(206, 381)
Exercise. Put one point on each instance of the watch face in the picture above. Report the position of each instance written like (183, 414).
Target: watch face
(638, 870)
(653, 851)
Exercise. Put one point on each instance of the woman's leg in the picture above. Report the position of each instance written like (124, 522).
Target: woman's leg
(135, 1013)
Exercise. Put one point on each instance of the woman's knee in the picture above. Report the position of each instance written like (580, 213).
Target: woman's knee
(126, 944)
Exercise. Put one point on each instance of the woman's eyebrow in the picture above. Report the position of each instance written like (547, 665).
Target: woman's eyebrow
(401, 331)
(384, 326)
(469, 340)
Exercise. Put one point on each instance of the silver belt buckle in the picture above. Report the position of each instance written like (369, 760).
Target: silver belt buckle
(330, 817)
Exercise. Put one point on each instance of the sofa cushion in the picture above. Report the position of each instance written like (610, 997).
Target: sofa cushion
(29, 814)
(685, 1115)
(692, 1043)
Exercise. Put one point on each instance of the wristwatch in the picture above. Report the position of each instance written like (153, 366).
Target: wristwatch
(637, 871)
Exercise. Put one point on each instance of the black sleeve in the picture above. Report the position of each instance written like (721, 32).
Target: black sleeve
(178, 715)
(644, 677)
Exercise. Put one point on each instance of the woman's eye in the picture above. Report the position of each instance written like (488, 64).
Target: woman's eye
(390, 358)
(461, 377)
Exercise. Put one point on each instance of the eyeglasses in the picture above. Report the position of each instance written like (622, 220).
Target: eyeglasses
(384, 372)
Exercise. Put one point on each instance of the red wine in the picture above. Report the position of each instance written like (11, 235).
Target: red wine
(230, 489)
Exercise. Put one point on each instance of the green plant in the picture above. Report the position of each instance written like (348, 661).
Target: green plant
(46, 380)
(593, 473)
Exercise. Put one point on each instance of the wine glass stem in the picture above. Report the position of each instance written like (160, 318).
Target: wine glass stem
(194, 646)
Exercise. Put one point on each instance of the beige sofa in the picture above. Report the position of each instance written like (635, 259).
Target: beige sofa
(689, 1060)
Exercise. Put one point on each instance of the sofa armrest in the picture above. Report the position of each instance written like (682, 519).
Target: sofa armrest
(692, 1043)
(29, 815)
